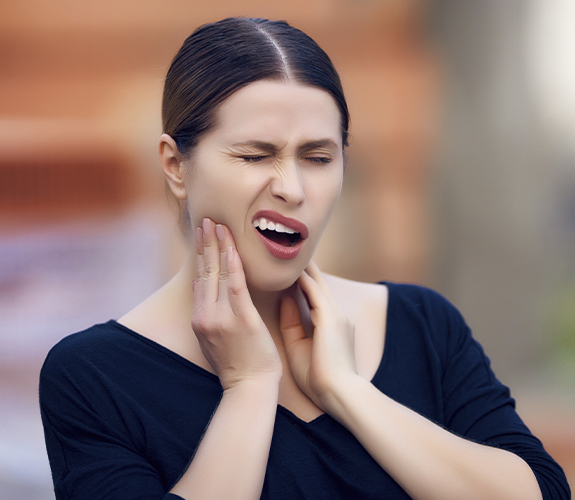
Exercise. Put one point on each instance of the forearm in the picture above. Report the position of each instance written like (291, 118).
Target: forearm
(232, 457)
(426, 460)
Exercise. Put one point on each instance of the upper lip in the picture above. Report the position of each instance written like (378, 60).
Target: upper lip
(274, 216)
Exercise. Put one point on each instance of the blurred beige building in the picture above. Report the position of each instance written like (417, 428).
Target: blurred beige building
(461, 176)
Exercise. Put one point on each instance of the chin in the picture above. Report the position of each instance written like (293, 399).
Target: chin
(270, 285)
(267, 274)
(266, 280)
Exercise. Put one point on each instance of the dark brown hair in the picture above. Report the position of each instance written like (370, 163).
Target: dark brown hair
(220, 58)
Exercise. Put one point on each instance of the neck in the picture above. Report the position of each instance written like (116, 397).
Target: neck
(268, 306)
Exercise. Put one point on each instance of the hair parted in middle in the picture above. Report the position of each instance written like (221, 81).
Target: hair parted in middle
(220, 58)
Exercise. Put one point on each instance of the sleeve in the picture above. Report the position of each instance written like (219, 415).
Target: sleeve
(91, 456)
(479, 407)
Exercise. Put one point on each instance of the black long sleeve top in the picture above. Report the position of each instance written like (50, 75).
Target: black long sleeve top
(123, 415)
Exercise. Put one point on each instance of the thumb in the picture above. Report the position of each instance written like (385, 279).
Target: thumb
(290, 323)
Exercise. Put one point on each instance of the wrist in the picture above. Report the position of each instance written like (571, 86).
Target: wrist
(254, 387)
(343, 395)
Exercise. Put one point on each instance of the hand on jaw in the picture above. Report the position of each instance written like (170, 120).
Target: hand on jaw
(235, 340)
(231, 333)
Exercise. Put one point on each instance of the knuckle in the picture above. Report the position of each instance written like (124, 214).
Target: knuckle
(210, 271)
(208, 242)
(197, 326)
(224, 275)
(197, 323)
(235, 289)
(200, 320)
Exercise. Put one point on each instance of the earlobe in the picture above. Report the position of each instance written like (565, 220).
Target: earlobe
(172, 166)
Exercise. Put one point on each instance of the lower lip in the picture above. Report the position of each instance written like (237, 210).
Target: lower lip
(279, 251)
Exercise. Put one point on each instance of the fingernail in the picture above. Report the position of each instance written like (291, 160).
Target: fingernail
(220, 232)
(207, 227)
(229, 254)
(199, 236)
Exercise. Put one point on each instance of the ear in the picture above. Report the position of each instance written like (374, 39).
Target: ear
(172, 166)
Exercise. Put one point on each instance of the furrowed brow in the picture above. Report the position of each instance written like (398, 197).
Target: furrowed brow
(264, 146)
(319, 144)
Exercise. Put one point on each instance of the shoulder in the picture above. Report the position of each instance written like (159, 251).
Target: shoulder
(423, 301)
(76, 369)
(417, 294)
(417, 311)
(100, 344)
(356, 294)
(365, 304)
(92, 368)
(426, 317)
(413, 298)
(96, 337)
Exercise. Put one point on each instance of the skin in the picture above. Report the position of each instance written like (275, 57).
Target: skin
(259, 158)
(277, 331)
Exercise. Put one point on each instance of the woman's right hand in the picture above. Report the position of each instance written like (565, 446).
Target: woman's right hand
(230, 331)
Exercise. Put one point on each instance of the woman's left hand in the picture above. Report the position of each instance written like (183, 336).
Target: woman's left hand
(323, 362)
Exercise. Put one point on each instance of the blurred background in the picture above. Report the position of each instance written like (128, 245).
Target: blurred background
(461, 177)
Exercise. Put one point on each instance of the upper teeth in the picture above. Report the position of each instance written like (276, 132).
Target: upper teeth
(263, 223)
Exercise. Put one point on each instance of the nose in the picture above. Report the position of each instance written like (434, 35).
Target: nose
(287, 183)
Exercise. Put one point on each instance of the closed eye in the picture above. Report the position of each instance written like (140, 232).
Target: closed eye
(319, 159)
(252, 159)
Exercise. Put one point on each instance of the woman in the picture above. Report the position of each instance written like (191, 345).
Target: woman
(251, 373)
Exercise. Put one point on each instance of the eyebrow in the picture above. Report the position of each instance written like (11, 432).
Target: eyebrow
(265, 146)
(272, 148)
(322, 143)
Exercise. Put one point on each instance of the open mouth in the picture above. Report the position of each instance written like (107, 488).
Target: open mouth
(282, 236)
(283, 239)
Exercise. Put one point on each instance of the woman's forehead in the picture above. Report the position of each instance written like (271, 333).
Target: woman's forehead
(269, 110)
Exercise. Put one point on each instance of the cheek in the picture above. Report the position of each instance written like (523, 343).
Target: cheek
(331, 189)
(202, 199)
(201, 205)
(216, 198)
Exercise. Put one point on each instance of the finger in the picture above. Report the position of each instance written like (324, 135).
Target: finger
(313, 291)
(225, 240)
(211, 262)
(313, 270)
(291, 326)
(198, 281)
(238, 294)
(199, 253)
(223, 276)
(297, 345)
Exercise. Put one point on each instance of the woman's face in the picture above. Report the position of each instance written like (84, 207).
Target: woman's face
(275, 155)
